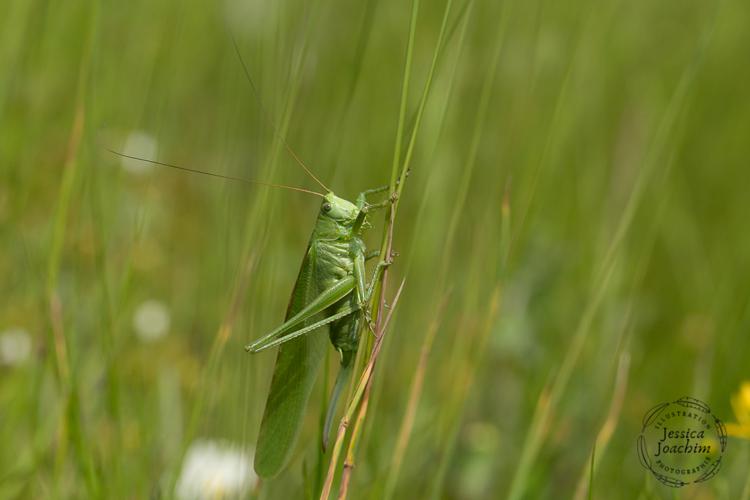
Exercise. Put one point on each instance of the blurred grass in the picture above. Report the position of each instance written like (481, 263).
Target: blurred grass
(616, 132)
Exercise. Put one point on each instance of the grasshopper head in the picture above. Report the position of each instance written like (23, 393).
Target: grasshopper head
(338, 209)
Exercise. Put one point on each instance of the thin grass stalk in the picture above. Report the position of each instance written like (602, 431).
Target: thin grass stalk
(462, 21)
(70, 429)
(404, 96)
(378, 300)
(110, 324)
(415, 393)
(460, 24)
(346, 473)
(591, 473)
(427, 86)
(356, 398)
(585, 482)
(349, 461)
(471, 159)
(623, 365)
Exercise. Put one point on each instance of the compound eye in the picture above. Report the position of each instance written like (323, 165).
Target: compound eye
(326, 207)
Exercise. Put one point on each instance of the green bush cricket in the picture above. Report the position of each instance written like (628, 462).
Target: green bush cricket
(331, 289)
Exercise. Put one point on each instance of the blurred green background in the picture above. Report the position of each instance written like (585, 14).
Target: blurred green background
(573, 233)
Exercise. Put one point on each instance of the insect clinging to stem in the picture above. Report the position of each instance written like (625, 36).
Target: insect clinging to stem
(331, 290)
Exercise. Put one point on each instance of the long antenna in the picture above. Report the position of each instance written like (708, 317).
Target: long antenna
(268, 117)
(213, 174)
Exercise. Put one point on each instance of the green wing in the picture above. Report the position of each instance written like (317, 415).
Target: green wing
(297, 364)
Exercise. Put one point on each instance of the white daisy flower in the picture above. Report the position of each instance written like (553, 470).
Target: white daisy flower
(214, 469)
(142, 145)
(151, 320)
(15, 346)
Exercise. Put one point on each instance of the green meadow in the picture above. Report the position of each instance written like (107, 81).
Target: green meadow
(572, 237)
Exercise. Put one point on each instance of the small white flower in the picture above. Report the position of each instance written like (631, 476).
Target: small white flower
(215, 470)
(15, 346)
(142, 145)
(151, 320)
